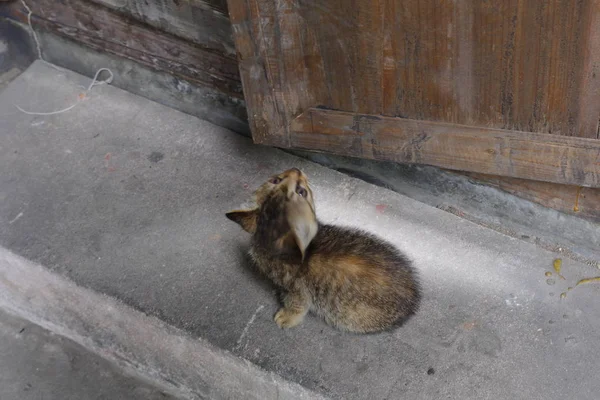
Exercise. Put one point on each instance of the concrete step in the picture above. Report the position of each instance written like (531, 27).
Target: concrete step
(127, 198)
(38, 364)
(123, 353)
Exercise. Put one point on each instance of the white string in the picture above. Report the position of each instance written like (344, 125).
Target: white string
(95, 81)
(46, 113)
(35, 37)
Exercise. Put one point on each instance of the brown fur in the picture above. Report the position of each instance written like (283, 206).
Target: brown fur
(354, 280)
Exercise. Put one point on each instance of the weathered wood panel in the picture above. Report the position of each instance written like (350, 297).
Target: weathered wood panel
(256, 61)
(528, 155)
(105, 30)
(521, 67)
(589, 117)
(204, 22)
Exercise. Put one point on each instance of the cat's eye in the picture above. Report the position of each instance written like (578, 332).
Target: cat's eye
(275, 180)
(301, 191)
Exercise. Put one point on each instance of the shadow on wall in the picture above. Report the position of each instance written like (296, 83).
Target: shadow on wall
(16, 51)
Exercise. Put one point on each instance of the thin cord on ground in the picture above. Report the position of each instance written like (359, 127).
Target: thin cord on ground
(95, 81)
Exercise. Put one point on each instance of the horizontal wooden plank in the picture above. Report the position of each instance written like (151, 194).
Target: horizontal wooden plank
(105, 30)
(580, 201)
(537, 156)
(204, 22)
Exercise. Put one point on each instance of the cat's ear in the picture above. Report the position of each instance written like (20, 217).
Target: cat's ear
(303, 222)
(247, 219)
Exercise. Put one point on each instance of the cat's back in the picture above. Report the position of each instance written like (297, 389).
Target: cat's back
(338, 241)
(359, 281)
(354, 256)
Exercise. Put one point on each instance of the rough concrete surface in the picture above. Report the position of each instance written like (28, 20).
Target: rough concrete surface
(127, 197)
(145, 348)
(36, 364)
(189, 97)
(485, 205)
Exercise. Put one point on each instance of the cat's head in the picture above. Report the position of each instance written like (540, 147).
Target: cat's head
(290, 196)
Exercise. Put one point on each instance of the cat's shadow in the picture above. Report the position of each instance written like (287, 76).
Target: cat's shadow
(250, 271)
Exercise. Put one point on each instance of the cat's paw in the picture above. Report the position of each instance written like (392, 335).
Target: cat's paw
(285, 318)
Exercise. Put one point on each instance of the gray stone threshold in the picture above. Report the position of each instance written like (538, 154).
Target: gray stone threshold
(143, 346)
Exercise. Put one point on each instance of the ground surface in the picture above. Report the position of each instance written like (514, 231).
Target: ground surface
(35, 364)
(128, 198)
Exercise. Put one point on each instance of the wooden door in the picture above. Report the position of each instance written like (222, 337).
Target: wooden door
(507, 87)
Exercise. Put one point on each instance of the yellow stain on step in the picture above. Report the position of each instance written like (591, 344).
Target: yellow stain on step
(588, 280)
(576, 207)
(581, 282)
(557, 266)
(564, 294)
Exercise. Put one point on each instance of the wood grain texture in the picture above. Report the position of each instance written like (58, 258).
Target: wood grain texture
(257, 52)
(105, 30)
(522, 65)
(506, 80)
(203, 22)
(526, 155)
(589, 118)
(574, 200)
